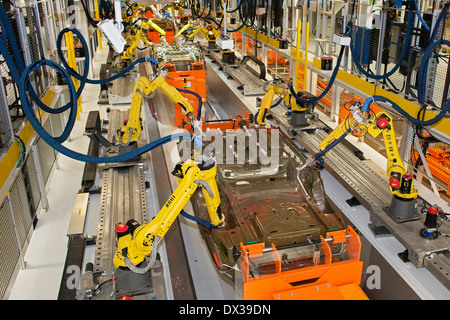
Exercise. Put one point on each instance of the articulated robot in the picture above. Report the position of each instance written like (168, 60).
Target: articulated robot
(361, 122)
(209, 32)
(137, 242)
(300, 112)
(137, 35)
(129, 133)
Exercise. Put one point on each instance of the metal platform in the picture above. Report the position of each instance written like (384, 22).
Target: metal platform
(123, 197)
(247, 79)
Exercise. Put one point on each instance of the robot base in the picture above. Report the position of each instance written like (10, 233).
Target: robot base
(130, 283)
(403, 209)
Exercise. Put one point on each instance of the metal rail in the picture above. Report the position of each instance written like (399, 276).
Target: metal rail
(123, 197)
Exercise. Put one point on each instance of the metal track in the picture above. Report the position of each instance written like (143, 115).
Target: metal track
(123, 197)
(251, 84)
(122, 89)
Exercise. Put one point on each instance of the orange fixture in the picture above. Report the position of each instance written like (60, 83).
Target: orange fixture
(328, 273)
(438, 161)
(189, 76)
(226, 124)
(167, 25)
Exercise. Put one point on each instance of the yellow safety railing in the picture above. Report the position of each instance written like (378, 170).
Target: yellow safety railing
(99, 33)
(72, 62)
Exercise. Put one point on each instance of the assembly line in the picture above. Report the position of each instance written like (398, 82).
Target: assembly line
(226, 150)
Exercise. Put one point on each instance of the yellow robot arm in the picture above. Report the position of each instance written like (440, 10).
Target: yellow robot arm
(215, 32)
(132, 129)
(133, 247)
(279, 88)
(400, 183)
(150, 23)
(344, 127)
(266, 104)
(173, 94)
(186, 26)
(210, 33)
(132, 43)
(193, 33)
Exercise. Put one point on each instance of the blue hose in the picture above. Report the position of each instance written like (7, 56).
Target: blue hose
(419, 16)
(203, 222)
(330, 83)
(331, 146)
(199, 98)
(55, 143)
(413, 120)
(357, 57)
(272, 106)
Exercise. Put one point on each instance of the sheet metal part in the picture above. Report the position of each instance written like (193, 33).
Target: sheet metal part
(180, 52)
(273, 203)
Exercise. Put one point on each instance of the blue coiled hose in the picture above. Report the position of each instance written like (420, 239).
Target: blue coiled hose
(21, 77)
(55, 143)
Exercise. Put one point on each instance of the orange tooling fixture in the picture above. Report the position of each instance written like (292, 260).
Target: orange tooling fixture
(325, 271)
(192, 77)
(438, 161)
(235, 124)
(165, 24)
